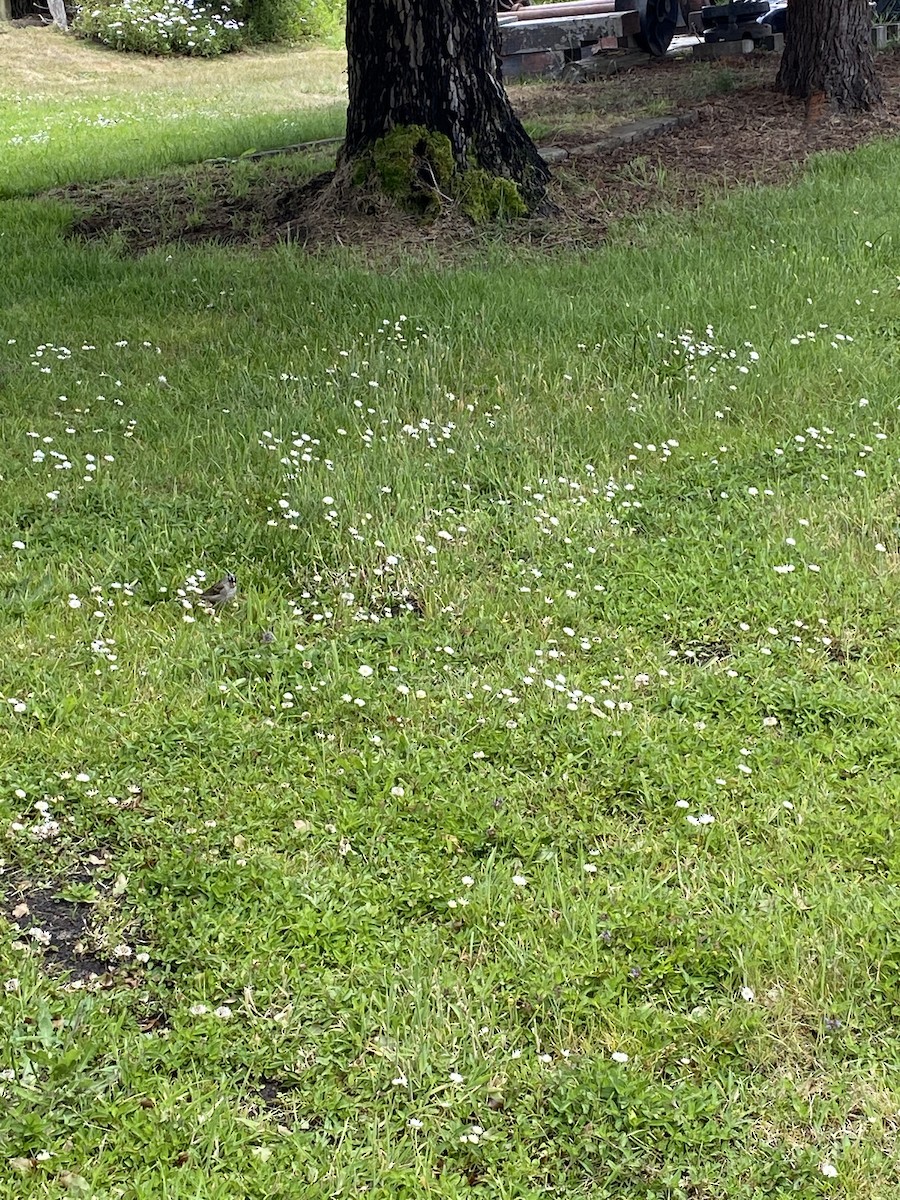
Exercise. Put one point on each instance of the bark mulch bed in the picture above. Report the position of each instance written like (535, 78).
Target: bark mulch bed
(747, 135)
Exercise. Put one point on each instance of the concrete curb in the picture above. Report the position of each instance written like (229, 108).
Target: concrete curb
(621, 135)
(299, 147)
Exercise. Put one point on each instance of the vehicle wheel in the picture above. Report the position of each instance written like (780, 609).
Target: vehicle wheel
(659, 19)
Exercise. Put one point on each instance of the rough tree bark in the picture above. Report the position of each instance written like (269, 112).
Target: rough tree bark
(434, 64)
(828, 53)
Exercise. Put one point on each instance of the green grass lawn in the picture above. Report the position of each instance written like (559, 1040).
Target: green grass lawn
(72, 111)
(548, 847)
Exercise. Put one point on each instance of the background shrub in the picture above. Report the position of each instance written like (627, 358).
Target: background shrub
(294, 20)
(163, 26)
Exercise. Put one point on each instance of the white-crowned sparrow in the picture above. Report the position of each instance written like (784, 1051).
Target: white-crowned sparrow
(220, 593)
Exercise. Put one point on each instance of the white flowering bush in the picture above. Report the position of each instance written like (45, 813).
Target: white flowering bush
(163, 26)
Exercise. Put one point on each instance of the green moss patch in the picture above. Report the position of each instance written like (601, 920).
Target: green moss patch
(415, 167)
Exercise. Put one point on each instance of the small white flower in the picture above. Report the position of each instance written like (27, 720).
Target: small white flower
(223, 1011)
(770, 722)
(400, 1081)
(366, 671)
(414, 1123)
(455, 1077)
(467, 880)
(18, 545)
(520, 880)
(619, 1056)
(198, 1010)
(748, 994)
(590, 868)
(828, 1170)
(397, 790)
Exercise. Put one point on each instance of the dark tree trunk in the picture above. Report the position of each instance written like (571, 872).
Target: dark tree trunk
(434, 63)
(828, 53)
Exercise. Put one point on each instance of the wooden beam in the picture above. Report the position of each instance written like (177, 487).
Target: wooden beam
(566, 33)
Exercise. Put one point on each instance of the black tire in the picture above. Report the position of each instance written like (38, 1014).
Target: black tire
(659, 19)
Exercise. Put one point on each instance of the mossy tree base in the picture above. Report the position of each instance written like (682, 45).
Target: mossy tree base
(415, 168)
(428, 117)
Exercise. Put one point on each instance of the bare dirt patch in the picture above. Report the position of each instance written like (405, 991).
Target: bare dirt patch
(751, 136)
(61, 928)
(571, 114)
(215, 202)
(742, 133)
